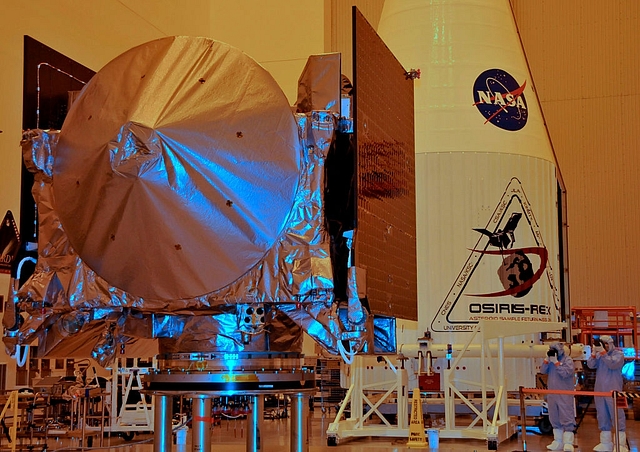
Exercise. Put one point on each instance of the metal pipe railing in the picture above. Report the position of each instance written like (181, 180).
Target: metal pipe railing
(523, 413)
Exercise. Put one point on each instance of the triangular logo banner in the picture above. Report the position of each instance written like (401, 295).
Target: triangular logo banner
(9, 242)
(507, 275)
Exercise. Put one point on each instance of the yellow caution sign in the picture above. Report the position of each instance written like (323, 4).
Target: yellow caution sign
(417, 438)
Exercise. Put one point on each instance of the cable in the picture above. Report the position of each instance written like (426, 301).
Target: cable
(344, 353)
(21, 361)
(21, 263)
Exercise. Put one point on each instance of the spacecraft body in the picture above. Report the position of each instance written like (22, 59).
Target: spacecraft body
(487, 182)
(183, 201)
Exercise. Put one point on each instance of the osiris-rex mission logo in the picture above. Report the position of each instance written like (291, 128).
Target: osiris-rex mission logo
(500, 281)
(500, 99)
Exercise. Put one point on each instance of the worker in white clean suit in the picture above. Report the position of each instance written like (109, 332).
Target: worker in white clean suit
(561, 376)
(608, 360)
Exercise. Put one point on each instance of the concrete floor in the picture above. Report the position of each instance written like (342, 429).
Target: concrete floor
(230, 436)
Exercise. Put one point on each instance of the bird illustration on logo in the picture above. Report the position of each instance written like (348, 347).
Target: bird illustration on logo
(516, 271)
(502, 277)
(503, 238)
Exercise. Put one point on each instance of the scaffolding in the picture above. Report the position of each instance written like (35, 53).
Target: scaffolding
(490, 418)
(619, 322)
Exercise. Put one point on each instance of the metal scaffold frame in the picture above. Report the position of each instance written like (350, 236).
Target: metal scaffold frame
(492, 413)
(489, 382)
(620, 322)
(120, 419)
(11, 407)
(122, 415)
(354, 425)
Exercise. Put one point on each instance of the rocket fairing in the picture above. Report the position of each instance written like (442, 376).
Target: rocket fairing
(486, 176)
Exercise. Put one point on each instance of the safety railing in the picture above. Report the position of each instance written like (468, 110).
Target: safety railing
(614, 394)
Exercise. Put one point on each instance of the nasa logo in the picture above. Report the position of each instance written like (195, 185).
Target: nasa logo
(500, 99)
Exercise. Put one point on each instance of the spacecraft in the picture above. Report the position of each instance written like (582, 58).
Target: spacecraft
(184, 200)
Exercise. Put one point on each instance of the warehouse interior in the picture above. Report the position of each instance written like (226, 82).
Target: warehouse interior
(81, 386)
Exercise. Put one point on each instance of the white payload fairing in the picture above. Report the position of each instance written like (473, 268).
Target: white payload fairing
(487, 182)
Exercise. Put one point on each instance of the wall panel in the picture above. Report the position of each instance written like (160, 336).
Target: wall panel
(584, 60)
